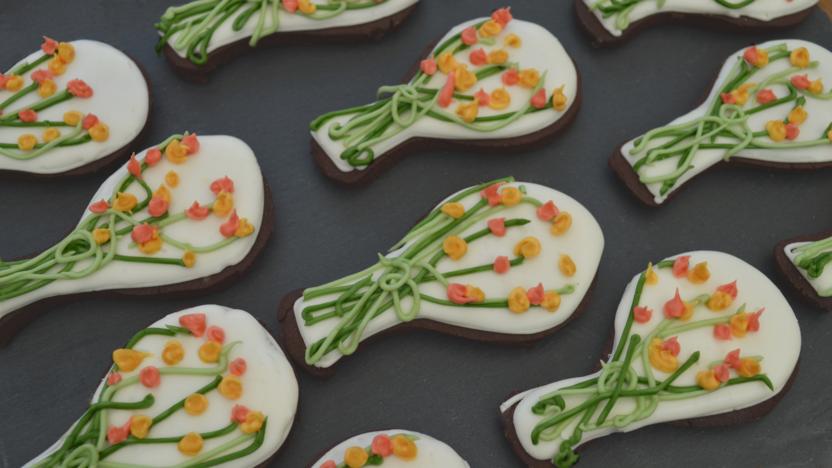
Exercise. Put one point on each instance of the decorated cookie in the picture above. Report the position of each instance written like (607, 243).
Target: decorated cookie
(491, 84)
(702, 338)
(503, 261)
(805, 261)
(70, 108)
(205, 386)
(199, 36)
(182, 216)
(613, 21)
(770, 107)
(391, 449)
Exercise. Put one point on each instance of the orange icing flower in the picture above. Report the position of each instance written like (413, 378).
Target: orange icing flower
(355, 457)
(776, 130)
(756, 57)
(56, 66)
(231, 387)
(529, 78)
(816, 87)
(567, 265)
(561, 224)
(650, 276)
(497, 57)
(518, 300)
(172, 179)
(191, 444)
(244, 229)
(404, 448)
(79, 88)
(140, 426)
(511, 196)
(14, 82)
(189, 259)
(559, 99)
(27, 142)
(195, 404)
(128, 360)
(72, 118)
(101, 235)
(700, 273)
(162, 193)
(307, 7)
(748, 367)
(662, 358)
(798, 115)
(99, 132)
(173, 352)
(739, 324)
(176, 152)
(528, 247)
(153, 245)
(499, 99)
(453, 209)
(210, 351)
(723, 297)
(551, 301)
(66, 52)
(47, 88)
(223, 204)
(491, 28)
(455, 247)
(447, 63)
(468, 112)
(800, 57)
(253, 422)
(465, 79)
(513, 40)
(707, 380)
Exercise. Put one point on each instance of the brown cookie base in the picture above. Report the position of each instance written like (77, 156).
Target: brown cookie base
(290, 338)
(795, 277)
(367, 31)
(601, 37)
(745, 415)
(13, 322)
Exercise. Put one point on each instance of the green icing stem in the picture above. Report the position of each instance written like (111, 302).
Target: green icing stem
(618, 380)
(620, 10)
(813, 258)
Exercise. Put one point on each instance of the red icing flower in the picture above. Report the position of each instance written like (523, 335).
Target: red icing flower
(511, 77)
(382, 445)
(501, 264)
(237, 367)
(765, 96)
(672, 345)
(41, 75)
(197, 212)
(142, 233)
(100, 206)
(792, 131)
(239, 413)
(157, 206)
(3, 80)
(79, 88)
(733, 358)
(195, 323)
(153, 156)
(491, 193)
(27, 115)
(89, 121)
(458, 294)
(133, 167)
(680, 266)
(754, 320)
(751, 55)
(536, 294)
(801, 81)
(446, 95)
(428, 66)
(483, 98)
(228, 228)
(215, 333)
(729, 289)
(642, 314)
(469, 36)
(329, 464)
(49, 45)
(675, 307)
(113, 378)
(191, 142)
(222, 185)
(497, 226)
(728, 98)
(118, 434)
(539, 100)
(722, 331)
(547, 211)
(150, 377)
(502, 16)
(478, 57)
(722, 372)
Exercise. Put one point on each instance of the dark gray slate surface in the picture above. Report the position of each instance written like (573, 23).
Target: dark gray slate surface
(447, 387)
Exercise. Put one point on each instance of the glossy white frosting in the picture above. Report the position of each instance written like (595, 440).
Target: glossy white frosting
(432, 453)
(120, 99)
(778, 341)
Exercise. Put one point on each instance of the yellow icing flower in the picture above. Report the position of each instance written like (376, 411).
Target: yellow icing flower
(189, 259)
(231, 387)
(491, 28)
(173, 352)
(307, 7)
(688, 313)
(191, 444)
(50, 134)
(798, 115)
(101, 235)
(551, 301)
(210, 351)
(497, 57)
(468, 112)
(56, 66)
(800, 57)
(356, 457)
(176, 152)
(720, 300)
(453, 209)
(650, 276)
(125, 202)
(447, 63)
(500, 98)
(465, 79)
(561, 223)
(455, 247)
(244, 229)
(47, 88)
(153, 245)
(513, 40)
(528, 247)
(66, 52)
(223, 204)
(707, 380)
(699, 273)
(253, 423)
(529, 78)
(27, 142)
(776, 130)
(661, 359)
(740, 95)
(474, 293)
(510, 196)
(404, 448)
(559, 100)
(816, 87)
(739, 324)
(518, 301)
(163, 193)
(567, 265)
(99, 132)
(748, 367)
(195, 404)
(14, 83)
(72, 118)
(172, 179)
(127, 359)
(140, 426)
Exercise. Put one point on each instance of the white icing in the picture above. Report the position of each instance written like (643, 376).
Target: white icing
(288, 22)
(820, 114)
(431, 452)
(218, 156)
(778, 341)
(584, 242)
(540, 50)
(822, 282)
(269, 385)
(763, 10)
(120, 99)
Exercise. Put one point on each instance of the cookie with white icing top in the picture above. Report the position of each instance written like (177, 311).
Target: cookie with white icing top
(805, 261)
(187, 215)
(771, 106)
(395, 448)
(206, 385)
(199, 36)
(610, 22)
(702, 337)
(502, 262)
(70, 108)
(490, 84)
